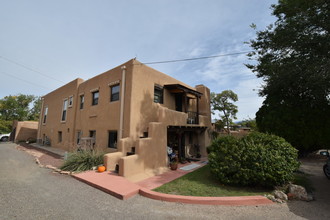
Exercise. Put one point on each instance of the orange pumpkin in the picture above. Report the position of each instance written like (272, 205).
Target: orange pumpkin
(101, 169)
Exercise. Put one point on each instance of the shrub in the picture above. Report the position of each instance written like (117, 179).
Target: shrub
(255, 160)
(82, 161)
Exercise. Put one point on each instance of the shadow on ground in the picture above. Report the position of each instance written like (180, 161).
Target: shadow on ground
(320, 207)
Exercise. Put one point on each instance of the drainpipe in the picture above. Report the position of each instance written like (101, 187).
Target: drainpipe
(122, 100)
(41, 115)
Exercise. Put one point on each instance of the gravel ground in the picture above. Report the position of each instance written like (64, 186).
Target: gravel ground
(30, 192)
(44, 157)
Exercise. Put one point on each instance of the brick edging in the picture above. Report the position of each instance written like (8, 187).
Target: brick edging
(230, 201)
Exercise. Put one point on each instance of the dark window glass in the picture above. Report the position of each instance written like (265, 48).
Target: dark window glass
(78, 136)
(92, 134)
(158, 95)
(82, 100)
(112, 143)
(115, 93)
(95, 96)
(65, 107)
(60, 136)
(70, 100)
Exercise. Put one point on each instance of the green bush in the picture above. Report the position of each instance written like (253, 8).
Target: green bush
(255, 160)
(82, 161)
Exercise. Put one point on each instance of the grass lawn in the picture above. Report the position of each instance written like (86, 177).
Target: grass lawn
(201, 183)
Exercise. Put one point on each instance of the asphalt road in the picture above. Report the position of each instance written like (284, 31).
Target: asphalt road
(30, 192)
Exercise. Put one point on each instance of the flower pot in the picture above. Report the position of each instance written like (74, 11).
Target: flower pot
(174, 166)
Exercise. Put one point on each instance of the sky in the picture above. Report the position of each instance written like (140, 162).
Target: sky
(46, 44)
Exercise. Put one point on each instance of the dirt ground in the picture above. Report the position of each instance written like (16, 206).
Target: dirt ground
(44, 157)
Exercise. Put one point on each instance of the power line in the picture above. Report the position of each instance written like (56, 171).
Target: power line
(197, 58)
(29, 68)
(23, 80)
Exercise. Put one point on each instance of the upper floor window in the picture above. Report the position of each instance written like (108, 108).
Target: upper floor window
(95, 98)
(114, 92)
(70, 101)
(64, 110)
(82, 100)
(45, 115)
(158, 94)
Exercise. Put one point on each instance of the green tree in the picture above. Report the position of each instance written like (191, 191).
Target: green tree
(222, 102)
(34, 112)
(251, 123)
(293, 58)
(5, 126)
(219, 125)
(15, 107)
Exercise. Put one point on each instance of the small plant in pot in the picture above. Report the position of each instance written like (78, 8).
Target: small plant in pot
(173, 164)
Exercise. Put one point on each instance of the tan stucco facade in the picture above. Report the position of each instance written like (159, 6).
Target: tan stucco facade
(128, 121)
(24, 131)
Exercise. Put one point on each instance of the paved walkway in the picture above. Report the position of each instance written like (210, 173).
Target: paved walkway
(54, 150)
(122, 188)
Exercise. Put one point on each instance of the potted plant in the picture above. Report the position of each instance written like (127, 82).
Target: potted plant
(173, 165)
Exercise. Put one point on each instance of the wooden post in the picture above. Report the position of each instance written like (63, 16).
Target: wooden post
(197, 117)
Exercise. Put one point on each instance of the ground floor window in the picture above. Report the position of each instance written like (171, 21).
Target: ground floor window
(60, 136)
(79, 133)
(92, 133)
(112, 142)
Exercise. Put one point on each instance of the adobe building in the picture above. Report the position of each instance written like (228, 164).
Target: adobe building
(24, 131)
(132, 112)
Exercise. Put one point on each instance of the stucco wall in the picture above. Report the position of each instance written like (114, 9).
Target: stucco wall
(144, 110)
(25, 130)
(54, 102)
(105, 116)
(140, 114)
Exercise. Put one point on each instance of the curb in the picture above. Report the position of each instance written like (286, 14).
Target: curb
(230, 201)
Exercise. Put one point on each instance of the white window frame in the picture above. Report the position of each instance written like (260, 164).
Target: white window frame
(44, 118)
(64, 108)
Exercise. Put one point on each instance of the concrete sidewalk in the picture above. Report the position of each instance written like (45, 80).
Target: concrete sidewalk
(53, 150)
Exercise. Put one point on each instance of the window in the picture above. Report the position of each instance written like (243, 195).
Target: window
(45, 115)
(95, 98)
(112, 143)
(92, 133)
(60, 136)
(82, 100)
(70, 101)
(79, 133)
(114, 93)
(158, 94)
(64, 110)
